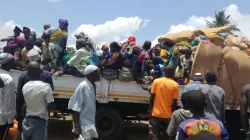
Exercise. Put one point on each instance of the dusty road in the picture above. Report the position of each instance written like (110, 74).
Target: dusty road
(61, 130)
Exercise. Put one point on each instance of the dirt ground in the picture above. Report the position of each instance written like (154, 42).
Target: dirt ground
(61, 130)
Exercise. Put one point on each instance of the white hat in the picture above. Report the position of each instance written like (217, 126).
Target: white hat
(197, 77)
(5, 58)
(89, 69)
(33, 55)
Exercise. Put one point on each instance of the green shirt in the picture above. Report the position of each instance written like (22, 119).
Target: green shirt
(80, 60)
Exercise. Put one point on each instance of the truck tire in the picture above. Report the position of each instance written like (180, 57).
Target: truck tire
(109, 123)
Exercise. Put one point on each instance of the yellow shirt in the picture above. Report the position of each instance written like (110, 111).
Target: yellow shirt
(165, 90)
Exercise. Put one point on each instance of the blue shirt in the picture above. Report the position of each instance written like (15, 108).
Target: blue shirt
(192, 86)
(197, 124)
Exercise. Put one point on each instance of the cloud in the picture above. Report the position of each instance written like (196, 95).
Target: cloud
(115, 30)
(6, 29)
(53, 1)
(241, 20)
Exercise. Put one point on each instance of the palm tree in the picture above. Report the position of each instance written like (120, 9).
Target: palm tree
(221, 19)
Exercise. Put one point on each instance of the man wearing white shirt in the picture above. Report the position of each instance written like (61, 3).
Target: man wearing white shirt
(83, 104)
(7, 104)
(39, 99)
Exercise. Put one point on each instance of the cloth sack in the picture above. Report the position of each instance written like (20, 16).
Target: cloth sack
(240, 42)
(126, 74)
(217, 30)
(216, 39)
(177, 37)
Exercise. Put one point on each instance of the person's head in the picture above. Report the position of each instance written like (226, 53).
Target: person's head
(17, 31)
(33, 69)
(105, 47)
(26, 31)
(196, 102)
(147, 45)
(169, 72)
(7, 61)
(188, 53)
(136, 50)
(92, 73)
(211, 77)
(155, 61)
(46, 26)
(45, 61)
(39, 42)
(46, 38)
(114, 47)
(79, 43)
(29, 44)
(184, 100)
(198, 77)
(33, 55)
(63, 24)
(157, 49)
(204, 135)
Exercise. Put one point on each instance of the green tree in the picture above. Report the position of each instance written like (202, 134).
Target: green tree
(221, 19)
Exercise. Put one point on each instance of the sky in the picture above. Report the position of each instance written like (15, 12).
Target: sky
(115, 20)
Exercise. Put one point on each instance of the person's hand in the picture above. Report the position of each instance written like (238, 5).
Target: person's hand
(144, 86)
(76, 131)
(59, 73)
(10, 125)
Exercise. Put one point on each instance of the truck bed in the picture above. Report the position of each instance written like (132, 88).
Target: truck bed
(114, 91)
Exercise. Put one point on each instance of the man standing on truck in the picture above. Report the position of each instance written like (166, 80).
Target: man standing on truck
(20, 103)
(83, 104)
(197, 81)
(163, 101)
(214, 97)
(39, 99)
(7, 104)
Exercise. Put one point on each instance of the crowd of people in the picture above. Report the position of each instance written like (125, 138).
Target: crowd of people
(202, 108)
(160, 69)
(125, 61)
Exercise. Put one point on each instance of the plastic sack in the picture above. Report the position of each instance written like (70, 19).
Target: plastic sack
(12, 134)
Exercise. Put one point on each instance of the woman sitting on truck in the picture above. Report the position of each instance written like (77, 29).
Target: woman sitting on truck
(81, 59)
(112, 63)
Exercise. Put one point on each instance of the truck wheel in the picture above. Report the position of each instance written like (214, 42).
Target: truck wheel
(109, 124)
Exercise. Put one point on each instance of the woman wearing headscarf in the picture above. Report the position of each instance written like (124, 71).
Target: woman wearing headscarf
(113, 63)
(80, 60)
(57, 45)
(144, 56)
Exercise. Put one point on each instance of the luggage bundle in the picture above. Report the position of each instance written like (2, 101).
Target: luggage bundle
(220, 51)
